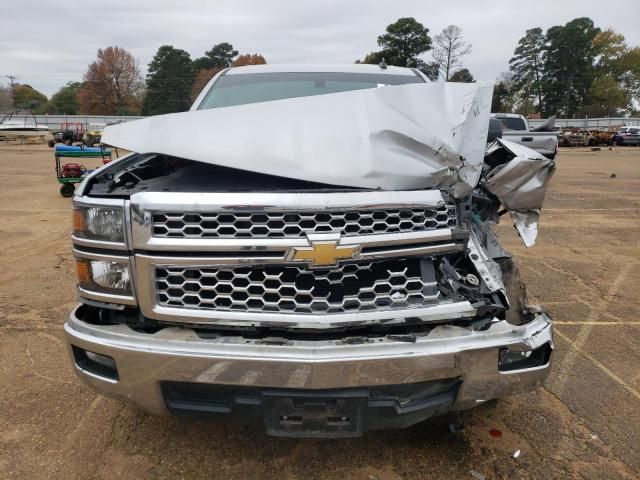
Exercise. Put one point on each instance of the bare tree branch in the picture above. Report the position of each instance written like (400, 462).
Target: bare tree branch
(448, 49)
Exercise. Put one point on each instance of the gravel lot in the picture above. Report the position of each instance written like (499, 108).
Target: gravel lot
(584, 424)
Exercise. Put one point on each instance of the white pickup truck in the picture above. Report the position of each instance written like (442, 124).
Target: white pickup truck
(516, 128)
(309, 252)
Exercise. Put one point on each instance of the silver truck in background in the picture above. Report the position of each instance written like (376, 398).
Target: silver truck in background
(516, 129)
(310, 249)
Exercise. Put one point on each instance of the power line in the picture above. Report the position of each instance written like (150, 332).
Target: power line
(13, 91)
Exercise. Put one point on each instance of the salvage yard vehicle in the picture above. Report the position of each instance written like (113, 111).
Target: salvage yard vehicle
(318, 258)
(68, 134)
(516, 128)
(627, 135)
(93, 134)
(574, 137)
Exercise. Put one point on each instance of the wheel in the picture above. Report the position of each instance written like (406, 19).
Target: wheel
(51, 143)
(67, 189)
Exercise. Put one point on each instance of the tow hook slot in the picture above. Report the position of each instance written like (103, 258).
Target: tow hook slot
(95, 363)
(511, 360)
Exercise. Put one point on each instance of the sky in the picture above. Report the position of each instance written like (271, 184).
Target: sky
(48, 43)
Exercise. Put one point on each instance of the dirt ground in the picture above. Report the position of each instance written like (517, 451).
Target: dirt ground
(585, 423)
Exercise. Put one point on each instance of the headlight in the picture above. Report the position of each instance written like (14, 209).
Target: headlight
(104, 276)
(98, 223)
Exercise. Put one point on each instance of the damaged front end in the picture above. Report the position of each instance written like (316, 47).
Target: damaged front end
(341, 279)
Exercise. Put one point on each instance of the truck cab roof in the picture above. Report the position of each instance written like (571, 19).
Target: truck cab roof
(255, 83)
(321, 67)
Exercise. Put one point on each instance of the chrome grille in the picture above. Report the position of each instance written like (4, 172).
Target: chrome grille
(291, 224)
(351, 287)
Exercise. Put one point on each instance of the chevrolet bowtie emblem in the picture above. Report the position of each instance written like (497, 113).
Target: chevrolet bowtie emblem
(323, 253)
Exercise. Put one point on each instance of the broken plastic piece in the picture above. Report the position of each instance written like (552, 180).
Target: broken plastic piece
(516, 454)
(495, 433)
(526, 224)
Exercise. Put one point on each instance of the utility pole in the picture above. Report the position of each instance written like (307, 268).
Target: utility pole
(13, 91)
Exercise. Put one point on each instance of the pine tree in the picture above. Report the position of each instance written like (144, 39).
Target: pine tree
(568, 66)
(526, 65)
(169, 82)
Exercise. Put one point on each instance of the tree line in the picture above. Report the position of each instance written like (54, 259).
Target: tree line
(113, 83)
(576, 69)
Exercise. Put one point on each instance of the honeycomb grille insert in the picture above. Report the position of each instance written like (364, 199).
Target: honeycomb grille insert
(355, 287)
(299, 224)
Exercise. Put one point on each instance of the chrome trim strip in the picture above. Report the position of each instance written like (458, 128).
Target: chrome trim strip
(251, 201)
(425, 250)
(284, 244)
(431, 313)
(128, 234)
(144, 204)
(98, 202)
(100, 256)
(106, 297)
(86, 242)
(209, 261)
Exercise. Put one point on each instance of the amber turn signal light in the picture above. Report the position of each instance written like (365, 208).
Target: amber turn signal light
(78, 220)
(83, 271)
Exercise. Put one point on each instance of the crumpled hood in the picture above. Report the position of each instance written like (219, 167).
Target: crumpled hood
(398, 137)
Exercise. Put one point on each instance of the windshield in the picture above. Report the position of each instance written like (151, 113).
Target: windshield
(231, 90)
(512, 123)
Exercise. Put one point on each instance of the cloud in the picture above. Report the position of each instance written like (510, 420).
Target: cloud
(46, 43)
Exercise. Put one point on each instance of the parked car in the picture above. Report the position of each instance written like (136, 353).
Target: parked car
(310, 249)
(627, 135)
(516, 128)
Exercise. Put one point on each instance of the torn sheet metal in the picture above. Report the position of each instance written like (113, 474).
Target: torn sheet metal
(396, 137)
(521, 184)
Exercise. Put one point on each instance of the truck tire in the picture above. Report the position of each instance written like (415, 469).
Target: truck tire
(67, 189)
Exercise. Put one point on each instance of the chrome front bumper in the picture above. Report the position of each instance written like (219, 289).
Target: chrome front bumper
(177, 354)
